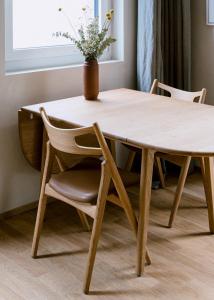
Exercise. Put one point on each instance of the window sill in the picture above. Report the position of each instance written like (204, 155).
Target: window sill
(75, 66)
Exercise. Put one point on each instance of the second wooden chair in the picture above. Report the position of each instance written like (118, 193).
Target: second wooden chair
(181, 161)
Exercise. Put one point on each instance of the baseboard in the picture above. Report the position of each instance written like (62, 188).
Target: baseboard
(22, 209)
(18, 210)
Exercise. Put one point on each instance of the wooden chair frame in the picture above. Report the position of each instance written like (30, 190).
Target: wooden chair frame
(179, 94)
(181, 161)
(64, 140)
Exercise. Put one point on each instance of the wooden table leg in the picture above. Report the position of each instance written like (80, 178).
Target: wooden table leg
(209, 186)
(144, 205)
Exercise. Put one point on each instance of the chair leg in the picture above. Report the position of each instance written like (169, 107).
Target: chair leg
(96, 230)
(84, 220)
(132, 218)
(130, 160)
(148, 258)
(202, 165)
(160, 172)
(39, 223)
(179, 189)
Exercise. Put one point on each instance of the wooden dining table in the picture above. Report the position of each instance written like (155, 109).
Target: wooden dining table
(149, 122)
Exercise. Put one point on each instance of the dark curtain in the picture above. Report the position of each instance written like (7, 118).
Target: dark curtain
(176, 42)
(164, 43)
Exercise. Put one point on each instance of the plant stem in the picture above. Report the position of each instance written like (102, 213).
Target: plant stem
(70, 23)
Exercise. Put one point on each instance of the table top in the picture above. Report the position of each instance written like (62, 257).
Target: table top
(141, 119)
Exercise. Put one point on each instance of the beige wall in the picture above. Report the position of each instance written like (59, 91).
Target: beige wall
(19, 183)
(202, 50)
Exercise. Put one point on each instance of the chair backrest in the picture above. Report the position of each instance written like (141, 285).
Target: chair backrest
(179, 94)
(64, 140)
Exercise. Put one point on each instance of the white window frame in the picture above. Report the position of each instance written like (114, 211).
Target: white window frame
(19, 60)
(209, 14)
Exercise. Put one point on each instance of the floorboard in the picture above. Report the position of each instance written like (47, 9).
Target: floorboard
(182, 257)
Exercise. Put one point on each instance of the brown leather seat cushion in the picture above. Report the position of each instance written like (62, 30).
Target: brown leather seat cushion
(81, 183)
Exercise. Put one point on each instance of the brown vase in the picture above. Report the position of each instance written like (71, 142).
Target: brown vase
(91, 79)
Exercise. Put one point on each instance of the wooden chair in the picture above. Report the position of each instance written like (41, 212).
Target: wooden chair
(85, 186)
(181, 161)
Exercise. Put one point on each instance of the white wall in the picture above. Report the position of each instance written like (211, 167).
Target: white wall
(19, 183)
(202, 50)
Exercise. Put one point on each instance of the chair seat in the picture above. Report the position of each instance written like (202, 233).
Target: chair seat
(82, 182)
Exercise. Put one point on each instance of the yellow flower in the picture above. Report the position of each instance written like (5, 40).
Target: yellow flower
(109, 16)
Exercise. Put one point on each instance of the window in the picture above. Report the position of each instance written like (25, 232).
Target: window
(210, 12)
(29, 28)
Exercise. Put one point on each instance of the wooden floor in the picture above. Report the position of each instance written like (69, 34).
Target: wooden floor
(183, 257)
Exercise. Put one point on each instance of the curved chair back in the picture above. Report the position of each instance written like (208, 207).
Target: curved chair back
(64, 140)
(179, 94)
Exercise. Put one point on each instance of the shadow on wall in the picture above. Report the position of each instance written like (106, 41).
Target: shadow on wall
(15, 178)
(19, 183)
